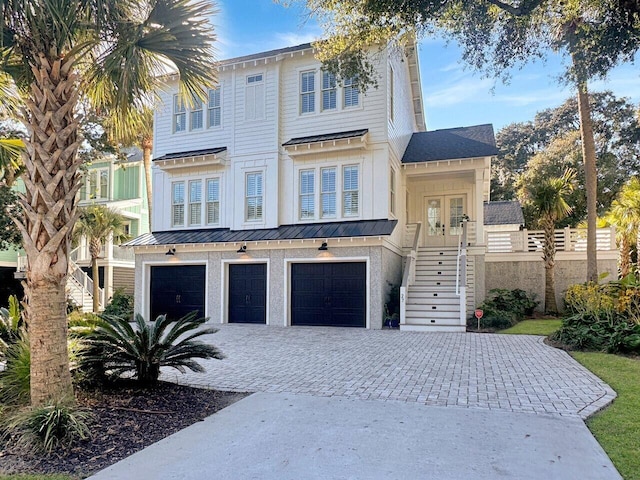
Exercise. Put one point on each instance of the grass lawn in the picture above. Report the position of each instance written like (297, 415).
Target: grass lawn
(617, 427)
(543, 326)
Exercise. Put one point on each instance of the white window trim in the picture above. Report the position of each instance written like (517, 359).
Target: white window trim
(260, 220)
(209, 126)
(392, 89)
(334, 89)
(343, 191)
(175, 113)
(344, 96)
(192, 111)
(190, 203)
(206, 203)
(313, 94)
(263, 82)
(313, 194)
(184, 202)
(393, 197)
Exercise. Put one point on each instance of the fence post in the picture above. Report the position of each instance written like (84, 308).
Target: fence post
(612, 239)
(568, 246)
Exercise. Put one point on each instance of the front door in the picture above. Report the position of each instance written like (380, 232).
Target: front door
(444, 214)
(248, 293)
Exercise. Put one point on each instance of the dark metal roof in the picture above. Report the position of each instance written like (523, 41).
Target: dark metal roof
(503, 213)
(327, 137)
(267, 54)
(451, 143)
(360, 228)
(192, 153)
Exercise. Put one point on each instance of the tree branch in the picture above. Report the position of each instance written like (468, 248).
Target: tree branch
(522, 10)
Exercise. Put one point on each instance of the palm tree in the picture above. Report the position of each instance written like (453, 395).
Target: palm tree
(624, 214)
(112, 52)
(547, 198)
(135, 129)
(97, 223)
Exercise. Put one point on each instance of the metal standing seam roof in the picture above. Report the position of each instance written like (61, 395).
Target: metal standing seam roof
(192, 153)
(503, 213)
(358, 228)
(451, 143)
(327, 137)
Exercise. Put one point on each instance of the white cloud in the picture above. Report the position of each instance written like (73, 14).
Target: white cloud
(465, 91)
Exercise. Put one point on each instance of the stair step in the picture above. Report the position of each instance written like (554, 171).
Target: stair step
(431, 320)
(431, 303)
(431, 328)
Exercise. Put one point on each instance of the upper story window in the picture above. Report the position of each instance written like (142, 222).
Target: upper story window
(254, 97)
(329, 94)
(350, 191)
(253, 197)
(177, 204)
(96, 185)
(213, 201)
(196, 114)
(179, 114)
(195, 202)
(392, 191)
(307, 194)
(351, 93)
(214, 108)
(392, 92)
(307, 92)
(328, 192)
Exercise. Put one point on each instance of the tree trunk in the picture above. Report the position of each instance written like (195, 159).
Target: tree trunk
(591, 179)
(147, 145)
(625, 257)
(51, 182)
(548, 256)
(95, 272)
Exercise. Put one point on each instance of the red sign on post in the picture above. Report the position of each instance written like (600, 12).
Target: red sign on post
(479, 314)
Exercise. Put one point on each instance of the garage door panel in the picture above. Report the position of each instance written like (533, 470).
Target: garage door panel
(247, 293)
(328, 294)
(177, 290)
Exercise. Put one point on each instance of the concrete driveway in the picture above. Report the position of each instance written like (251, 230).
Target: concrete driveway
(358, 404)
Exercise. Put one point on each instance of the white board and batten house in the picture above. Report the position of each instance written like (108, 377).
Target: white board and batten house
(288, 198)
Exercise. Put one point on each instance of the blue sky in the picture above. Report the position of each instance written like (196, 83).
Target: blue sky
(453, 95)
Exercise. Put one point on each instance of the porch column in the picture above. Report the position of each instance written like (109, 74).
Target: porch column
(479, 203)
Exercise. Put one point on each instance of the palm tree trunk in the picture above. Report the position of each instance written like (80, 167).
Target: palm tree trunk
(147, 145)
(625, 257)
(591, 179)
(95, 273)
(52, 181)
(548, 256)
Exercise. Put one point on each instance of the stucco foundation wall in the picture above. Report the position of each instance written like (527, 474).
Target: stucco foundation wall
(529, 276)
(383, 265)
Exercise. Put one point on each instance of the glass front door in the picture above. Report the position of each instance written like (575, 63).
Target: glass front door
(444, 216)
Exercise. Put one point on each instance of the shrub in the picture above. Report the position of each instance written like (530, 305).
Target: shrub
(10, 321)
(48, 428)
(590, 331)
(142, 350)
(493, 319)
(503, 308)
(121, 305)
(15, 378)
(591, 298)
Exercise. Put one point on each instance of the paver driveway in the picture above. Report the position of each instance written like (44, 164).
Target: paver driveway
(517, 373)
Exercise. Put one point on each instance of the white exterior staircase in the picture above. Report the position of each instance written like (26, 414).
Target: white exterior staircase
(433, 292)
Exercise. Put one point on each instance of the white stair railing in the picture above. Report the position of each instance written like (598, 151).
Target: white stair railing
(461, 272)
(84, 281)
(409, 275)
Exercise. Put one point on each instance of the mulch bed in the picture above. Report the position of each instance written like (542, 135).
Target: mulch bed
(126, 418)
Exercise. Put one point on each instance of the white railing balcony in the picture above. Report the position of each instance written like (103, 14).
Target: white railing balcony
(566, 240)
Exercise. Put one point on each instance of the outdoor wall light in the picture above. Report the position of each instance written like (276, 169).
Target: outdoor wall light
(242, 249)
(323, 247)
(171, 251)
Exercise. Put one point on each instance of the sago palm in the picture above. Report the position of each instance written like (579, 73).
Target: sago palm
(143, 348)
(547, 198)
(114, 53)
(97, 224)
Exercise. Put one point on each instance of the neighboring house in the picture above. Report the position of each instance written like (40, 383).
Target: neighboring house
(117, 184)
(287, 198)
